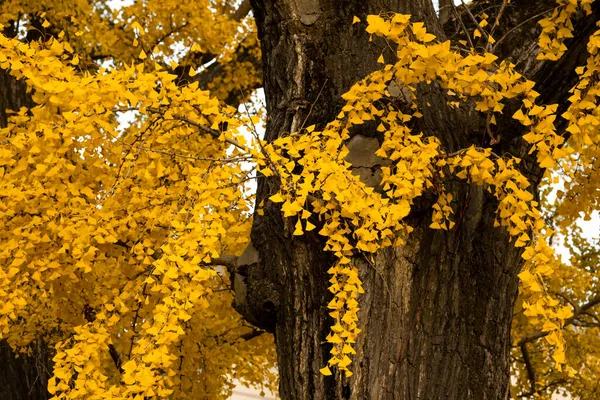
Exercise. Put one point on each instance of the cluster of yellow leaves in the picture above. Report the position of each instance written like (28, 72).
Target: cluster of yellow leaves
(126, 222)
(519, 213)
(151, 31)
(346, 286)
(356, 218)
(442, 211)
(108, 234)
(583, 116)
(558, 27)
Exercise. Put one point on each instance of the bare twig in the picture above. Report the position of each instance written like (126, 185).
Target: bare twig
(252, 335)
(312, 105)
(518, 26)
(479, 28)
(462, 24)
(225, 260)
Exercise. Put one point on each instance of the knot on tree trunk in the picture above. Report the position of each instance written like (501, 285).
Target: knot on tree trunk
(256, 297)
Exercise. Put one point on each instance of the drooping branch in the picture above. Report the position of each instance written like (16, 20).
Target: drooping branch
(570, 321)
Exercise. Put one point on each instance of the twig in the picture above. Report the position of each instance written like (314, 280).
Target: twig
(225, 260)
(518, 26)
(459, 152)
(242, 11)
(251, 335)
(312, 105)
(203, 128)
(497, 22)
(462, 24)
(569, 321)
(173, 154)
(116, 357)
(479, 28)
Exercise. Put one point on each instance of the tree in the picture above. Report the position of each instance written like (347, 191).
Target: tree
(403, 190)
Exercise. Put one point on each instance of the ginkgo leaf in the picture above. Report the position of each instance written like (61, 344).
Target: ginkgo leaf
(298, 228)
(325, 371)
(276, 198)
(136, 25)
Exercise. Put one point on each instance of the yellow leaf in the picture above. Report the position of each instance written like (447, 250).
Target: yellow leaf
(276, 198)
(298, 230)
(547, 162)
(143, 55)
(325, 371)
(136, 25)
(355, 20)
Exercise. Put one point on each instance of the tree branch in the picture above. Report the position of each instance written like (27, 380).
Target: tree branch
(226, 260)
(252, 335)
(116, 357)
(569, 321)
(203, 128)
(529, 367)
(242, 10)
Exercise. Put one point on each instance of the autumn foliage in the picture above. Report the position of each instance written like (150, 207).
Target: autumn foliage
(125, 186)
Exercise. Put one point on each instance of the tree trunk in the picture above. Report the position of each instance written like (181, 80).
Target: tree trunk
(24, 377)
(437, 311)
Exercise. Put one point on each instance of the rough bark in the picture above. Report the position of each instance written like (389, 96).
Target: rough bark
(12, 96)
(22, 377)
(437, 311)
(25, 377)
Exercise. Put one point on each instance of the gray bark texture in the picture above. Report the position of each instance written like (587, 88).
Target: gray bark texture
(437, 311)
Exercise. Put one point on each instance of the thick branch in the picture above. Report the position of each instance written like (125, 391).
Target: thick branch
(116, 357)
(252, 335)
(226, 260)
(529, 367)
(242, 10)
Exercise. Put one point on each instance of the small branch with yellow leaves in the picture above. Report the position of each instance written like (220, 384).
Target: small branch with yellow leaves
(569, 321)
(203, 128)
